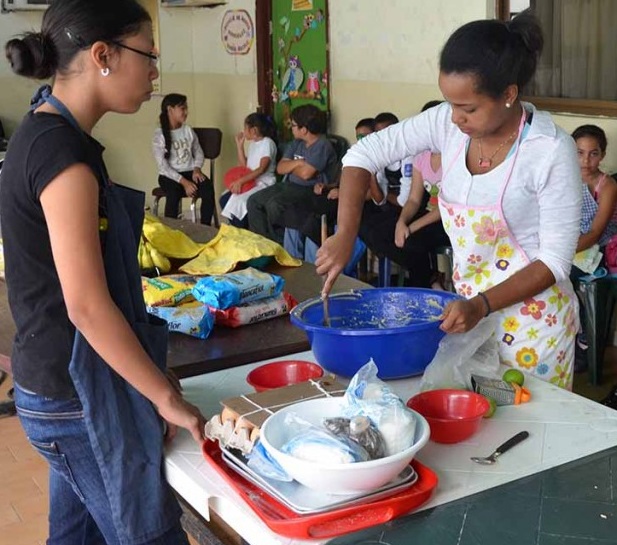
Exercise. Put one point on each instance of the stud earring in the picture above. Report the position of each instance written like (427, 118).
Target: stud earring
(508, 105)
(105, 71)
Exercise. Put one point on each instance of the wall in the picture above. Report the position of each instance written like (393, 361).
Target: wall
(387, 67)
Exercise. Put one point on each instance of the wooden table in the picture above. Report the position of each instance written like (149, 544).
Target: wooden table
(226, 347)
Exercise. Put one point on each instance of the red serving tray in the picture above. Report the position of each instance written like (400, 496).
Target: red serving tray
(339, 521)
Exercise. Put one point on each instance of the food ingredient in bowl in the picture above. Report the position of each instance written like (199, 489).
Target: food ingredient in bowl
(361, 430)
(315, 444)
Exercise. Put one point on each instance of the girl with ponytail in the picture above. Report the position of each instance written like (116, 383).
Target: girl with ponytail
(179, 158)
(89, 370)
(260, 161)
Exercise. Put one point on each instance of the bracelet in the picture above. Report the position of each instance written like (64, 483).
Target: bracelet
(485, 299)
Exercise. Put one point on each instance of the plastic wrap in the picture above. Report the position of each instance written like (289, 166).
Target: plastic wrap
(461, 355)
(169, 290)
(369, 396)
(256, 311)
(315, 444)
(360, 430)
(192, 319)
(236, 288)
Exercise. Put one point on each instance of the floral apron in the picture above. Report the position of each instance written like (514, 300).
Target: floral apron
(536, 335)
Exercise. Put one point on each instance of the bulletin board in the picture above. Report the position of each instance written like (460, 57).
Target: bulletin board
(300, 58)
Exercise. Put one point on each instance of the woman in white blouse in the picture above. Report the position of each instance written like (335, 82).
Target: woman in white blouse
(179, 158)
(510, 199)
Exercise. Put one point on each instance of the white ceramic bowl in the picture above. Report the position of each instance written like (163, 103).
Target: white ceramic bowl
(335, 478)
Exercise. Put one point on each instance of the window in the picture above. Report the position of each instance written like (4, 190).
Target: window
(577, 72)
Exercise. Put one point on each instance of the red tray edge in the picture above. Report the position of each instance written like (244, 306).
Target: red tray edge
(333, 523)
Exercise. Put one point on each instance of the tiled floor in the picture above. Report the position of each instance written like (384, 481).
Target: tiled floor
(23, 475)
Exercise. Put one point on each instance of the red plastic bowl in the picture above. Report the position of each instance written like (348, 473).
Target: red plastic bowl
(453, 415)
(282, 373)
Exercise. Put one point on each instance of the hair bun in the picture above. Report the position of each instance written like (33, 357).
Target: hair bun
(33, 56)
(528, 28)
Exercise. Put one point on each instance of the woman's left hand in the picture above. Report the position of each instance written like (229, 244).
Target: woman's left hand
(236, 187)
(198, 176)
(463, 315)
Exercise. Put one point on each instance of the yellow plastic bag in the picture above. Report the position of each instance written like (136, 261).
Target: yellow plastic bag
(232, 246)
(170, 242)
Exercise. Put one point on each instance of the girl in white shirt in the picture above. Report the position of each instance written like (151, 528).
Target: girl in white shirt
(179, 158)
(259, 131)
(510, 198)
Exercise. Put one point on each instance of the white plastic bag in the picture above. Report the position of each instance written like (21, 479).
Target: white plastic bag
(369, 396)
(462, 354)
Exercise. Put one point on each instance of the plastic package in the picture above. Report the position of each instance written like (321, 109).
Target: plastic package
(315, 444)
(261, 462)
(361, 430)
(169, 290)
(369, 396)
(192, 319)
(235, 288)
(256, 311)
(461, 355)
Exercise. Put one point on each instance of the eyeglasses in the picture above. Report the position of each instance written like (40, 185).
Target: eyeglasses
(154, 59)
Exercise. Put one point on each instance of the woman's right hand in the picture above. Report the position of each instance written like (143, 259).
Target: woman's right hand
(332, 257)
(401, 232)
(176, 411)
(190, 188)
(239, 137)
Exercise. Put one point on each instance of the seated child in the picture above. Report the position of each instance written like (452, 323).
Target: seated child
(260, 132)
(308, 160)
(599, 213)
(179, 158)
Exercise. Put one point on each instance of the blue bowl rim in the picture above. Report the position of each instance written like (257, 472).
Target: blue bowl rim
(295, 315)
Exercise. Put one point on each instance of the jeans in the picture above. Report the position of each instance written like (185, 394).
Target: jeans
(79, 511)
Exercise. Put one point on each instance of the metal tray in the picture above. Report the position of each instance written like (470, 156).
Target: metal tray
(303, 500)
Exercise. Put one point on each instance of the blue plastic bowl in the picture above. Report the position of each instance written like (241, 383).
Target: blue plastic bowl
(397, 327)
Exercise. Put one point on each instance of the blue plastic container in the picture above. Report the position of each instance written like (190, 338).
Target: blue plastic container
(397, 327)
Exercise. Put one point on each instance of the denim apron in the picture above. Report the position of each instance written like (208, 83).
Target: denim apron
(124, 428)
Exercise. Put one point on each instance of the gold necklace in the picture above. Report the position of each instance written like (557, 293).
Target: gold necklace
(486, 163)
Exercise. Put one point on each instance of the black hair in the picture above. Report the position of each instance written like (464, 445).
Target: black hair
(497, 53)
(311, 118)
(367, 122)
(386, 117)
(431, 104)
(263, 123)
(591, 131)
(68, 27)
(169, 101)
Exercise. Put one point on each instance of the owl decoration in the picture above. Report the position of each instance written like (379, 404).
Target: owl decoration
(312, 84)
(294, 76)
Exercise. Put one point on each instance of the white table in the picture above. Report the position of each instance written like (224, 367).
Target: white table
(563, 427)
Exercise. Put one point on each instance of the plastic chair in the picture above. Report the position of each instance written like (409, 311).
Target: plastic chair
(210, 140)
(599, 295)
